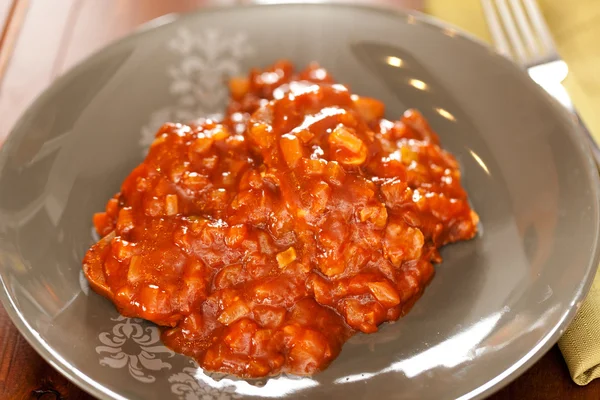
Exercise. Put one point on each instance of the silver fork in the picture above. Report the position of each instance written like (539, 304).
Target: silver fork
(521, 34)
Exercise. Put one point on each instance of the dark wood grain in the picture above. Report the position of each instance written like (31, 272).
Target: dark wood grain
(24, 374)
(5, 10)
(12, 13)
(62, 32)
(32, 64)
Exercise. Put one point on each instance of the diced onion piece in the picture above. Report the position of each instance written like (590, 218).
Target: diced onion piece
(335, 173)
(368, 108)
(219, 132)
(122, 249)
(125, 294)
(141, 184)
(240, 336)
(396, 193)
(363, 316)
(193, 323)
(305, 135)
(402, 242)
(323, 290)
(286, 257)
(238, 87)
(107, 239)
(134, 273)
(101, 221)
(261, 134)
(192, 292)
(348, 119)
(342, 138)
(235, 311)
(415, 120)
(314, 167)
(268, 316)
(320, 194)
(408, 155)
(474, 217)
(377, 215)
(236, 235)
(112, 206)
(259, 367)
(125, 220)
(292, 331)
(399, 131)
(202, 144)
(291, 148)
(228, 277)
(154, 207)
(308, 350)
(159, 139)
(210, 162)
(385, 293)
(194, 181)
(155, 302)
(171, 204)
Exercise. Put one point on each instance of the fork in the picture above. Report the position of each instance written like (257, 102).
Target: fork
(520, 33)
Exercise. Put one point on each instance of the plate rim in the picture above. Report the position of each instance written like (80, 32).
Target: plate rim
(494, 384)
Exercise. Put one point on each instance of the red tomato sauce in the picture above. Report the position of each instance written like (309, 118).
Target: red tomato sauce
(262, 242)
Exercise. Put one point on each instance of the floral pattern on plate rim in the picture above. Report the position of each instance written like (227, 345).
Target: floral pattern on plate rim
(198, 81)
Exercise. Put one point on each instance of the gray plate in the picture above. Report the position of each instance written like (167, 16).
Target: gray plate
(497, 302)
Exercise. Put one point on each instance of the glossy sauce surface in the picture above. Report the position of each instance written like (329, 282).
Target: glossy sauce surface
(263, 242)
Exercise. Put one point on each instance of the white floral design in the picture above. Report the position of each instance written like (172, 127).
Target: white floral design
(186, 386)
(198, 80)
(133, 345)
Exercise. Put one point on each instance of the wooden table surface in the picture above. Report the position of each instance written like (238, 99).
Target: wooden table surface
(41, 39)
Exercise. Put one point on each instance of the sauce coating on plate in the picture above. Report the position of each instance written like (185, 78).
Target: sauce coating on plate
(263, 242)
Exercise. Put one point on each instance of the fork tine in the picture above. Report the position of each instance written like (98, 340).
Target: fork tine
(539, 24)
(511, 30)
(495, 29)
(524, 27)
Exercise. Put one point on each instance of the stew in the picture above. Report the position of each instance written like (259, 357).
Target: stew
(263, 241)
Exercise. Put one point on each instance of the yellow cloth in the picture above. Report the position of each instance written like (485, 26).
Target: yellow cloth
(575, 26)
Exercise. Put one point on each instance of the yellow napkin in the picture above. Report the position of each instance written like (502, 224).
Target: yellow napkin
(575, 26)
